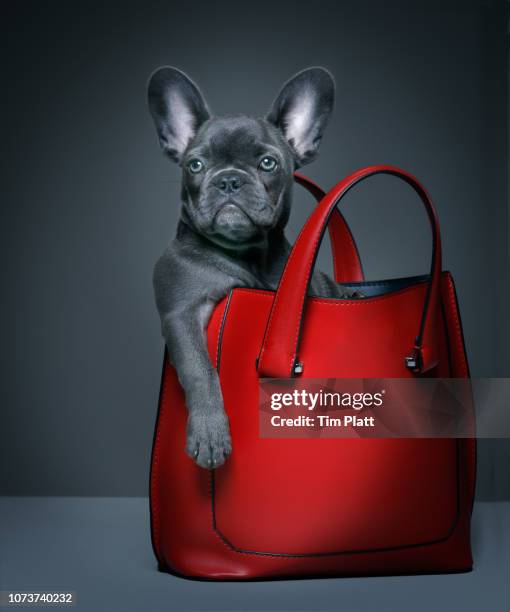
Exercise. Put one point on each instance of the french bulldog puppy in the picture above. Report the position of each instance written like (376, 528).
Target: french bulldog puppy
(236, 197)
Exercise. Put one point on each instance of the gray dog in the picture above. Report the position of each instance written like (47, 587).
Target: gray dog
(236, 197)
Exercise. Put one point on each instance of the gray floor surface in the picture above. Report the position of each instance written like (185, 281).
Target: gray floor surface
(100, 548)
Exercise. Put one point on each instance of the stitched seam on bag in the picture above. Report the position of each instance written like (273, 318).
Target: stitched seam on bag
(465, 371)
(334, 246)
(383, 283)
(155, 482)
(354, 254)
(364, 301)
(340, 301)
(285, 272)
(220, 329)
(311, 261)
(382, 550)
(332, 235)
(458, 332)
(303, 297)
(460, 343)
(290, 556)
(418, 281)
(277, 296)
(341, 221)
(216, 532)
(254, 291)
(217, 347)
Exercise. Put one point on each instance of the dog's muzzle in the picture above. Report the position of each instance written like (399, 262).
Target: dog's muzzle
(230, 215)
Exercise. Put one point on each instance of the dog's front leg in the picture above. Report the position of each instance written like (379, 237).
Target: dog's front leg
(208, 436)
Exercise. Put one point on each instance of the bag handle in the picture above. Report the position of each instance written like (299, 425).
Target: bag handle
(278, 357)
(346, 262)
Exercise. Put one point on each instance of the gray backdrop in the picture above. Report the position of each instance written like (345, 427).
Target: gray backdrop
(89, 202)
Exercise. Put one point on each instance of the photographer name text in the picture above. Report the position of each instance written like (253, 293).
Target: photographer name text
(325, 400)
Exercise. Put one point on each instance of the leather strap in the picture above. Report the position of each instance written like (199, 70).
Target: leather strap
(346, 261)
(279, 353)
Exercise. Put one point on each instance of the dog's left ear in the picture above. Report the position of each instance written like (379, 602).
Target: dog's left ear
(302, 110)
(178, 109)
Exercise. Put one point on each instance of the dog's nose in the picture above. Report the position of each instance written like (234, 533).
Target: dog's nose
(228, 183)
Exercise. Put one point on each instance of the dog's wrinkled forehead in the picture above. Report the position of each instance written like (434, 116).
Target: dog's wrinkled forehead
(231, 139)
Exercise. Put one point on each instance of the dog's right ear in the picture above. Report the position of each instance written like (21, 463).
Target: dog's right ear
(178, 109)
(302, 110)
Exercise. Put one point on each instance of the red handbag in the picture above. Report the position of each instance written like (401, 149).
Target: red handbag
(319, 506)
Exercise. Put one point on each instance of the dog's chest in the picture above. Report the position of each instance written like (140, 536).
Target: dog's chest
(242, 274)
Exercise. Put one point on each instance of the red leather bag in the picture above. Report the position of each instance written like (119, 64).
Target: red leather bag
(319, 506)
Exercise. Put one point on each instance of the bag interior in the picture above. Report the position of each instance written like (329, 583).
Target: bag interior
(380, 287)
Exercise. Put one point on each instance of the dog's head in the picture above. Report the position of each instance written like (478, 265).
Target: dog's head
(237, 171)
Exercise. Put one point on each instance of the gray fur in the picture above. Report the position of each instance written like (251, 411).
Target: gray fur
(231, 231)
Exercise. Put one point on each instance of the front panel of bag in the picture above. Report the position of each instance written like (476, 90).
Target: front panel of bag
(317, 496)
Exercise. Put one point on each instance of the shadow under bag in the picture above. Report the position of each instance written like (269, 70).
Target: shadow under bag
(319, 506)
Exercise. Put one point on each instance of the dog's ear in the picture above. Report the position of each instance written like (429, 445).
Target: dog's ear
(178, 109)
(302, 110)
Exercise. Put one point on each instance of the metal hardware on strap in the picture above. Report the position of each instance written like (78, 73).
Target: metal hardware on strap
(414, 361)
(298, 368)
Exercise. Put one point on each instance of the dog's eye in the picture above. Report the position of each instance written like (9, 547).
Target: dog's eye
(268, 164)
(195, 166)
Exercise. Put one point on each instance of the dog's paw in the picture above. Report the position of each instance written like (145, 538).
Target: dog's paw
(208, 440)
